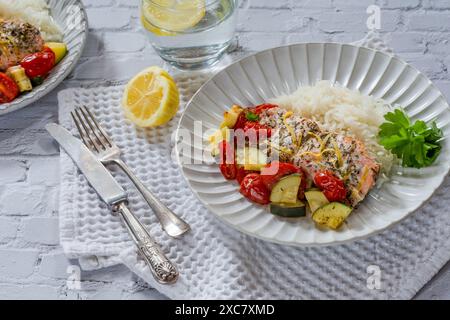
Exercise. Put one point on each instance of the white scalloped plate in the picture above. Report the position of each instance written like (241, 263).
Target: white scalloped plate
(72, 18)
(282, 70)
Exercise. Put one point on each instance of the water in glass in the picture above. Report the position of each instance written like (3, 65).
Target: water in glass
(189, 34)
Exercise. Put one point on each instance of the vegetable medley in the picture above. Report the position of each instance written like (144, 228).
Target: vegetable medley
(31, 72)
(268, 179)
(25, 59)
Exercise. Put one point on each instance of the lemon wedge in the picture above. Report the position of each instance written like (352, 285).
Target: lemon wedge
(151, 98)
(166, 17)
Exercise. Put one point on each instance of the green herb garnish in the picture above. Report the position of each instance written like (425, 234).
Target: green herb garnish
(251, 116)
(418, 145)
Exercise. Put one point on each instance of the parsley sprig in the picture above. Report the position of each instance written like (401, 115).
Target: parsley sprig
(251, 116)
(417, 145)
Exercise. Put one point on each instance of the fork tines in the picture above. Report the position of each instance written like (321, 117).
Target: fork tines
(90, 130)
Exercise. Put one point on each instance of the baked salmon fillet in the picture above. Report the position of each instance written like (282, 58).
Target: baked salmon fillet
(302, 142)
(17, 40)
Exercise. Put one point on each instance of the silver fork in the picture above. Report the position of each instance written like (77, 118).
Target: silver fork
(99, 142)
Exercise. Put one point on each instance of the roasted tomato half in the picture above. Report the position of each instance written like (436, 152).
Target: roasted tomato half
(241, 121)
(227, 160)
(39, 64)
(254, 189)
(332, 187)
(242, 173)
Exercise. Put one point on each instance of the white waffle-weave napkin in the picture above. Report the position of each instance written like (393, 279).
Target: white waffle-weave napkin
(216, 262)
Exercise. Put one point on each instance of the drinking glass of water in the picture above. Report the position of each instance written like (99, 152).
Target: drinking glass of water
(190, 34)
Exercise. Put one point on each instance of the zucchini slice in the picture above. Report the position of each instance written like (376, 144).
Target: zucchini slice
(286, 190)
(332, 215)
(288, 210)
(316, 199)
(17, 73)
(59, 48)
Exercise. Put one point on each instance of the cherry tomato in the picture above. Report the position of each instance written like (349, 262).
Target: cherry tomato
(241, 173)
(254, 189)
(263, 107)
(332, 187)
(227, 160)
(39, 64)
(9, 90)
(276, 170)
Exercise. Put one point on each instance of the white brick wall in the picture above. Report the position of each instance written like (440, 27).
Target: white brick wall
(32, 264)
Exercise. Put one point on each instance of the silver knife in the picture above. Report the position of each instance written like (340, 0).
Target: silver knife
(115, 196)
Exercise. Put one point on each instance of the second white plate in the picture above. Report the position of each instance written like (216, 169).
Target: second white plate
(71, 17)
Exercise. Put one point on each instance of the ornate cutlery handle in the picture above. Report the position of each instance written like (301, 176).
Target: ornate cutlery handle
(171, 223)
(162, 269)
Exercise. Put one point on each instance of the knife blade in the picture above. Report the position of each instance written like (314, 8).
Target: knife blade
(95, 172)
(115, 196)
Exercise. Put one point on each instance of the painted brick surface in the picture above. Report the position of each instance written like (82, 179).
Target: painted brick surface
(12, 171)
(32, 264)
(17, 263)
(41, 230)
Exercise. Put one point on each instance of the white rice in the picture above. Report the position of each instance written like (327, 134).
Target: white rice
(35, 12)
(337, 108)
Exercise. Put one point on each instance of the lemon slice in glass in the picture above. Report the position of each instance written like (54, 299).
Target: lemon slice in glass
(165, 17)
(147, 25)
(151, 98)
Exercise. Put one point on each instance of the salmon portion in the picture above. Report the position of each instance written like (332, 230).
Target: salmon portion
(302, 142)
(343, 155)
(17, 40)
